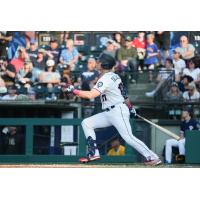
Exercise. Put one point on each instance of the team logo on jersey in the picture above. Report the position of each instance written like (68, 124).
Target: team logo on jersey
(99, 84)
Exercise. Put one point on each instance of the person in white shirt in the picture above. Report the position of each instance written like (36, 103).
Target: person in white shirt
(179, 65)
(191, 94)
(163, 75)
(12, 94)
(192, 71)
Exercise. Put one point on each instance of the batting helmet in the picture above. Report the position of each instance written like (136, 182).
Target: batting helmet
(107, 61)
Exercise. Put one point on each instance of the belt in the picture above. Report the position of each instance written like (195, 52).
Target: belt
(111, 107)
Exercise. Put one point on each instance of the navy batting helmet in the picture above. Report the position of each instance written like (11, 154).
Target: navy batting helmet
(107, 61)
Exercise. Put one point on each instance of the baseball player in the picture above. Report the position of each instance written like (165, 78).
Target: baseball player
(116, 112)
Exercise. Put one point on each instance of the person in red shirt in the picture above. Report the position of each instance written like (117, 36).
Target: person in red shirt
(140, 44)
(18, 62)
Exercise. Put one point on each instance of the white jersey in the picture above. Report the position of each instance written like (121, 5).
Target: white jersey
(111, 88)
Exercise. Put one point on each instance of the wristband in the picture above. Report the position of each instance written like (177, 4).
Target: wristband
(76, 92)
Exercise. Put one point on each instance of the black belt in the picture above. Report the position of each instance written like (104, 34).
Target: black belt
(110, 108)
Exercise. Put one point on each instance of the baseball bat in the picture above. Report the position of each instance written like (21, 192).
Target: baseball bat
(164, 130)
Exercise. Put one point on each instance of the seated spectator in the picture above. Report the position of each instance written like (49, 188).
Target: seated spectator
(33, 50)
(186, 50)
(179, 65)
(39, 62)
(127, 57)
(119, 39)
(18, 62)
(163, 75)
(66, 78)
(54, 49)
(12, 140)
(191, 94)
(24, 76)
(3, 88)
(140, 44)
(110, 48)
(151, 57)
(187, 124)
(116, 148)
(90, 76)
(192, 70)
(50, 79)
(5, 38)
(69, 55)
(174, 93)
(183, 85)
(7, 72)
(162, 40)
(12, 93)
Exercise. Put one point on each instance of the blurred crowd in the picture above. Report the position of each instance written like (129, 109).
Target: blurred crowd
(29, 71)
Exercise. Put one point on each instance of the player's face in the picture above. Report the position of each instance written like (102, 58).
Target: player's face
(185, 114)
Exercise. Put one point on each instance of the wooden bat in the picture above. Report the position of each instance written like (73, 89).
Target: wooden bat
(164, 130)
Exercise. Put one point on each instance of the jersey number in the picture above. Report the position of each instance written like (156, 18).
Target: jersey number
(103, 98)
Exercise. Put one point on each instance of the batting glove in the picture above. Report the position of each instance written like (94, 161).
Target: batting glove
(69, 89)
(132, 112)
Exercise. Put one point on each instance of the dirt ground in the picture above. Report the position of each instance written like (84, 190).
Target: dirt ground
(92, 166)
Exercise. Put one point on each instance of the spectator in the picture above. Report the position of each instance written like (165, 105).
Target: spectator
(24, 75)
(186, 50)
(18, 62)
(191, 94)
(5, 38)
(12, 93)
(69, 55)
(13, 140)
(162, 40)
(192, 70)
(3, 88)
(187, 124)
(174, 93)
(151, 58)
(116, 148)
(110, 48)
(186, 80)
(54, 49)
(90, 76)
(33, 50)
(7, 72)
(179, 65)
(40, 62)
(140, 44)
(163, 75)
(50, 79)
(119, 39)
(127, 57)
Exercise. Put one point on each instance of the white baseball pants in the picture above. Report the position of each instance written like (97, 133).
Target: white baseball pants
(174, 143)
(119, 118)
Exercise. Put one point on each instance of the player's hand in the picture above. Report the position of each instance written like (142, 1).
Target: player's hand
(132, 112)
(69, 89)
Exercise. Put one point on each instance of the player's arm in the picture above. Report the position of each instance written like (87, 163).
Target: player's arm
(87, 94)
(83, 94)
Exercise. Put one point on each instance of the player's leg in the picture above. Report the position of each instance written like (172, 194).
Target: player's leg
(121, 122)
(168, 149)
(181, 146)
(89, 125)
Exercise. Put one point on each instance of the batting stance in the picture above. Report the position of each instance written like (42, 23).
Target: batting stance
(116, 112)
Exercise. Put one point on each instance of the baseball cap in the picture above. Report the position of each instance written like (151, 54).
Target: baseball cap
(32, 41)
(175, 51)
(53, 39)
(174, 84)
(128, 38)
(50, 63)
(41, 51)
